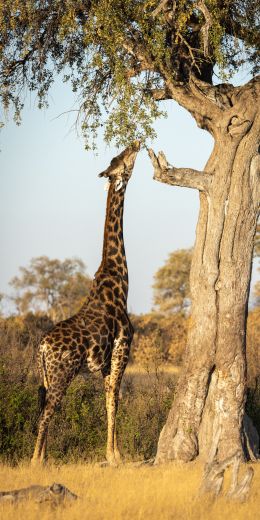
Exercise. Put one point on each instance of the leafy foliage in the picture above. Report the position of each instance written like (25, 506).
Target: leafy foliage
(55, 287)
(171, 282)
(116, 53)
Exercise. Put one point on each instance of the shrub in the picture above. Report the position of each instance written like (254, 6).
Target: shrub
(159, 336)
(78, 429)
(18, 419)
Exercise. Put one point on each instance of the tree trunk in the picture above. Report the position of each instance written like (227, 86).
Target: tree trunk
(210, 395)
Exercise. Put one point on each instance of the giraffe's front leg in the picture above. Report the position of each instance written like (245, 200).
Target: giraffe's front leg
(112, 452)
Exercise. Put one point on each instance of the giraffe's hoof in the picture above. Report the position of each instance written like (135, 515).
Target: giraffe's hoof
(35, 462)
(112, 461)
(113, 464)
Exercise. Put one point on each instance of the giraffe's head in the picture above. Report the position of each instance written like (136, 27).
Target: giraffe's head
(121, 167)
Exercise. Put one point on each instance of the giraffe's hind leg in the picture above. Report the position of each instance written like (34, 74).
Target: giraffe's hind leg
(112, 386)
(106, 376)
(54, 396)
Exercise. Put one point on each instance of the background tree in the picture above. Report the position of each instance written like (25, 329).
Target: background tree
(171, 282)
(55, 287)
(124, 58)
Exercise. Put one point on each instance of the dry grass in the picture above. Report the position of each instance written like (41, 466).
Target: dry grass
(169, 492)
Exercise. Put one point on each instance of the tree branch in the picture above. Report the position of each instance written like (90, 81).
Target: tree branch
(208, 23)
(22, 61)
(159, 8)
(185, 177)
(134, 49)
(189, 96)
(201, 103)
(159, 94)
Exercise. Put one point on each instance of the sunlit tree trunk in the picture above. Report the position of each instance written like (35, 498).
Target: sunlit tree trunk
(210, 396)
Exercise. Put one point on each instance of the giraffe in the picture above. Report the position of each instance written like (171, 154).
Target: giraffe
(99, 336)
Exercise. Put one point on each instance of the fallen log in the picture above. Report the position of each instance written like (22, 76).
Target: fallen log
(56, 493)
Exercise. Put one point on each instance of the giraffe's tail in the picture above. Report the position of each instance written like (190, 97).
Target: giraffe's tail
(42, 390)
(41, 398)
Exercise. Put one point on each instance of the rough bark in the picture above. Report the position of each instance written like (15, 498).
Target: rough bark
(212, 387)
(213, 479)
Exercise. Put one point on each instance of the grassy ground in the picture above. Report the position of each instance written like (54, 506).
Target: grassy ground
(128, 492)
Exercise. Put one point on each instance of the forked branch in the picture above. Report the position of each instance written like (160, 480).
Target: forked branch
(184, 177)
(159, 8)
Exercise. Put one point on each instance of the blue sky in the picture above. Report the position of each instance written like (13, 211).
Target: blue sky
(53, 203)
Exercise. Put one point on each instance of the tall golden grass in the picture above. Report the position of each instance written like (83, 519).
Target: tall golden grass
(127, 492)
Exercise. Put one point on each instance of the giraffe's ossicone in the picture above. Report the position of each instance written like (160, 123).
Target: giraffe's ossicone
(99, 336)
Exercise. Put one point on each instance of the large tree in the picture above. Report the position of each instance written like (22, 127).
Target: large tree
(124, 58)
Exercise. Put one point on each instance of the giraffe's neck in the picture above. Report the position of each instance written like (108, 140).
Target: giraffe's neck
(113, 257)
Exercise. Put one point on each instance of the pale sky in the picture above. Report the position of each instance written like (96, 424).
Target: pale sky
(53, 203)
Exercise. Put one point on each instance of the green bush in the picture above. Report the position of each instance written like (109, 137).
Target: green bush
(18, 419)
(78, 428)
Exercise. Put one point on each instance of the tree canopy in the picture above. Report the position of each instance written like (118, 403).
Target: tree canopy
(53, 286)
(122, 57)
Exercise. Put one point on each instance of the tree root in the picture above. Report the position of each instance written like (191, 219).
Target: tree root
(213, 478)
